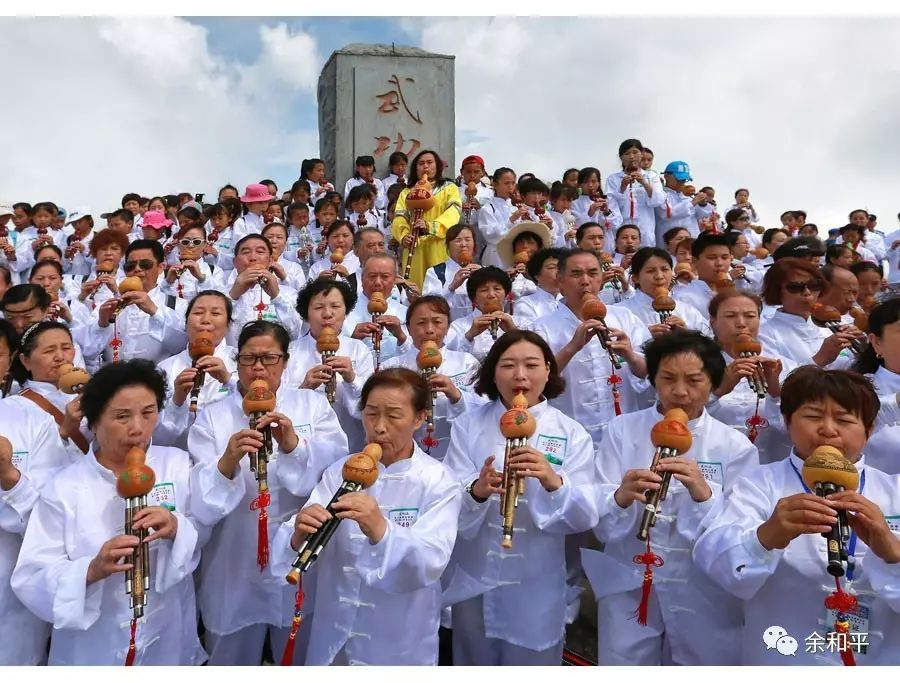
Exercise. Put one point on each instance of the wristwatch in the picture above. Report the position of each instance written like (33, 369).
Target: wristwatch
(470, 489)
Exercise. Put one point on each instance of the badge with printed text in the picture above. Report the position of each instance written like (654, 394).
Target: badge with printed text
(163, 495)
(18, 459)
(404, 517)
(553, 448)
(712, 471)
(459, 381)
(304, 431)
(893, 522)
(859, 624)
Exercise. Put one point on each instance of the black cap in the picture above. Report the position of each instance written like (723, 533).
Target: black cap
(800, 247)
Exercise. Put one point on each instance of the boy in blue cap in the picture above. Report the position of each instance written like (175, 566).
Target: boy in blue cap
(677, 211)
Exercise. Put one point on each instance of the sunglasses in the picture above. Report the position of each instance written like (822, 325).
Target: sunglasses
(798, 287)
(144, 263)
(196, 242)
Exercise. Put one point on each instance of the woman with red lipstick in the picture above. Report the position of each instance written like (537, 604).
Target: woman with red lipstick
(509, 606)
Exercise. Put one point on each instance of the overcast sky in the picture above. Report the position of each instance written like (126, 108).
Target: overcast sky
(802, 111)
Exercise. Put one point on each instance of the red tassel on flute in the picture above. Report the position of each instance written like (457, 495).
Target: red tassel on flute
(262, 531)
(287, 658)
(842, 603)
(649, 559)
(614, 381)
(132, 648)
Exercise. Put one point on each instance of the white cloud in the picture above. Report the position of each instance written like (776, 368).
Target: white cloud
(100, 107)
(799, 110)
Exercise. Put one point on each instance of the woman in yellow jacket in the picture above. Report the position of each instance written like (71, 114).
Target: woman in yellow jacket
(434, 223)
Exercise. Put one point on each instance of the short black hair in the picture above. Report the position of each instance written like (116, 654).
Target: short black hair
(533, 185)
(644, 254)
(570, 253)
(628, 144)
(584, 227)
(866, 266)
(252, 236)
(453, 232)
(540, 257)
(885, 313)
(706, 240)
(110, 379)
(122, 214)
(297, 206)
(850, 390)
(397, 378)
(485, 275)
(679, 341)
(435, 301)
(487, 386)
(265, 328)
(323, 286)
(229, 307)
(19, 294)
(152, 245)
(131, 197)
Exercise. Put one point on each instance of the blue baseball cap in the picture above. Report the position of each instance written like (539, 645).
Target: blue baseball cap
(679, 169)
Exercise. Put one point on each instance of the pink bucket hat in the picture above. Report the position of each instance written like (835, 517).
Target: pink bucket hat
(156, 219)
(256, 193)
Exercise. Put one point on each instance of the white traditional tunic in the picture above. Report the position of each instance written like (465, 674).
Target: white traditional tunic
(308, 236)
(278, 310)
(684, 603)
(462, 369)
(787, 587)
(588, 397)
(536, 306)
(381, 603)
(248, 224)
(174, 421)
(37, 453)
(479, 346)
(437, 282)
(698, 294)
(524, 588)
(609, 222)
(350, 262)
(493, 224)
(676, 211)
(78, 512)
(636, 207)
(58, 400)
(642, 306)
(736, 408)
(887, 386)
(229, 559)
(380, 196)
(347, 394)
(892, 254)
(791, 336)
(390, 347)
(190, 285)
(883, 449)
(153, 337)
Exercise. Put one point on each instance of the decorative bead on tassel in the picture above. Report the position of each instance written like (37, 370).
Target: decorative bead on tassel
(132, 648)
(614, 381)
(261, 502)
(116, 342)
(754, 423)
(260, 307)
(843, 603)
(650, 560)
(287, 658)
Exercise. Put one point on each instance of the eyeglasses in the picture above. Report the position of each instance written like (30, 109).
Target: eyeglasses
(196, 242)
(248, 360)
(798, 287)
(144, 263)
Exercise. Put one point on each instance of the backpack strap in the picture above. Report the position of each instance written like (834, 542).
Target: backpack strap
(77, 438)
(441, 271)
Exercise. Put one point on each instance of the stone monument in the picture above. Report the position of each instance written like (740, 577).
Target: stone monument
(379, 99)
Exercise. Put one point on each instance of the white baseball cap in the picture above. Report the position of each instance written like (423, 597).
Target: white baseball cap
(6, 208)
(77, 213)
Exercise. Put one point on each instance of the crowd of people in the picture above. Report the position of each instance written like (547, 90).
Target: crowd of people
(499, 386)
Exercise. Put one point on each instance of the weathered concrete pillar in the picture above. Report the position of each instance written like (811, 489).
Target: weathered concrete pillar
(378, 99)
